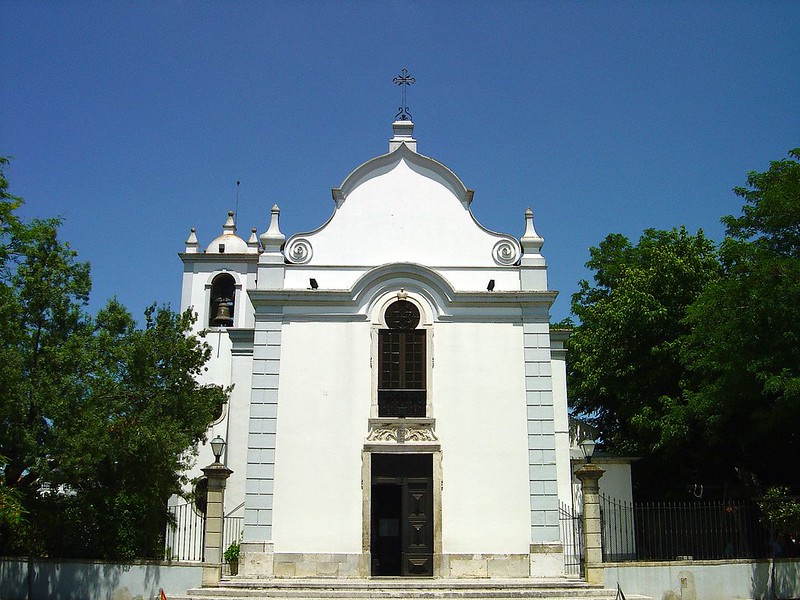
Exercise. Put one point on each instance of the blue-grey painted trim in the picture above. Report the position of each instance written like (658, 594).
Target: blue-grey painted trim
(262, 427)
(541, 441)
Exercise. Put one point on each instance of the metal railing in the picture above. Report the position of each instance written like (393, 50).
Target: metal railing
(682, 530)
(232, 527)
(571, 526)
(183, 540)
(184, 536)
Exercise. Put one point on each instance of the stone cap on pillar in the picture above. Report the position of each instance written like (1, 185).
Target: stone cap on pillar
(589, 473)
(216, 472)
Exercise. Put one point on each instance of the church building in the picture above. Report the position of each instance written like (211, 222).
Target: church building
(398, 403)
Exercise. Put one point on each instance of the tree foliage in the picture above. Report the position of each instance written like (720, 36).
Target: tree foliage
(780, 511)
(98, 417)
(689, 356)
(625, 371)
(744, 342)
(12, 513)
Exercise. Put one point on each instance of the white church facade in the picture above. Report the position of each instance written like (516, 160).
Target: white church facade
(399, 403)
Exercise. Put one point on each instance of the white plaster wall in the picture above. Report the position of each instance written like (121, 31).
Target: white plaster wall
(247, 316)
(218, 368)
(705, 580)
(561, 424)
(328, 278)
(616, 481)
(323, 411)
(335, 278)
(235, 432)
(187, 286)
(402, 213)
(80, 579)
(475, 280)
(479, 406)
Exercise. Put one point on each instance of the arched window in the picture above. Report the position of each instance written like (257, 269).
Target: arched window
(401, 363)
(223, 298)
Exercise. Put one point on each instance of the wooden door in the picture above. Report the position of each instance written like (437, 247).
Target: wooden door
(418, 523)
(402, 515)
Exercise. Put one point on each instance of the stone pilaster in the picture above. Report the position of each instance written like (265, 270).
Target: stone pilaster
(217, 474)
(589, 475)
(543, 476)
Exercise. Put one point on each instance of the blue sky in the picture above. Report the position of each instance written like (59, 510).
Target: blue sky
(134, 120)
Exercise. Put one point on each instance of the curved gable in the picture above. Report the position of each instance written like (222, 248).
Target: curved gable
(424, 165)
(402, 207)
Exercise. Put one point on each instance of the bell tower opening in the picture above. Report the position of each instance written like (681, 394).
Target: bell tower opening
(222, 301)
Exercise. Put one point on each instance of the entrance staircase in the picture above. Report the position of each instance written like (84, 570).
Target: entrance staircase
(405, 588)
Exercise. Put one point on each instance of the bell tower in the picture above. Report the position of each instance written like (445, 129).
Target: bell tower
(215, 280)
(216, 277)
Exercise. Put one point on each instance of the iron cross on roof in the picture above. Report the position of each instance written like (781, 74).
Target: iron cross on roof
(404, 80)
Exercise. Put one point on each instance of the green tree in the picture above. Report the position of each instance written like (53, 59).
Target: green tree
(691, 358)
(782, 514)
(98, 417)
(743, 347)
(42, 293)
(780, 511)
(625, 373)
(12, 513)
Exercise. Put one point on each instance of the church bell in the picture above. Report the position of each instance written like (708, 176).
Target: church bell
(223, 316)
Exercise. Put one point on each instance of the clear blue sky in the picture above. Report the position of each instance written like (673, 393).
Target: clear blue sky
(133, 120)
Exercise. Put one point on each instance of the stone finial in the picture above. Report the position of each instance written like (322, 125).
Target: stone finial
(531, 241)
(230, 224)
(252, 243)
(191, 242)
(272, 239)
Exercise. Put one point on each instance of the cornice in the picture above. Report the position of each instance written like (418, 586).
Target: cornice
(203, 257)
(285, 297)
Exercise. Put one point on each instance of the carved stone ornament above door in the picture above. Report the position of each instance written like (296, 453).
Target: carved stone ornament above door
(401, 431)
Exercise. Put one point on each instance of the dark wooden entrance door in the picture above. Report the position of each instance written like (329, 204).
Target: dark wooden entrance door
(402, 514)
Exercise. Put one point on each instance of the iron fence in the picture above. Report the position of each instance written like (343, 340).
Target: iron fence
(641, 531)
(184, 536)
(682, 530)
(232, 527)
(571, 526)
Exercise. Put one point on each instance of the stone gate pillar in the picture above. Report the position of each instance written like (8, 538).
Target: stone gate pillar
(589, 475)
(217, 474)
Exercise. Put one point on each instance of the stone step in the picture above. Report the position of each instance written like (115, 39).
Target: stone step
(405, 588)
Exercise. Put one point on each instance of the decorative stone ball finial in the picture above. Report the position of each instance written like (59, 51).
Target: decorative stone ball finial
(230, 224)
(252, 243)
(191, 242)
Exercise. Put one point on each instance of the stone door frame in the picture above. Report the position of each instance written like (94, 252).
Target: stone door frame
(366, 487)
